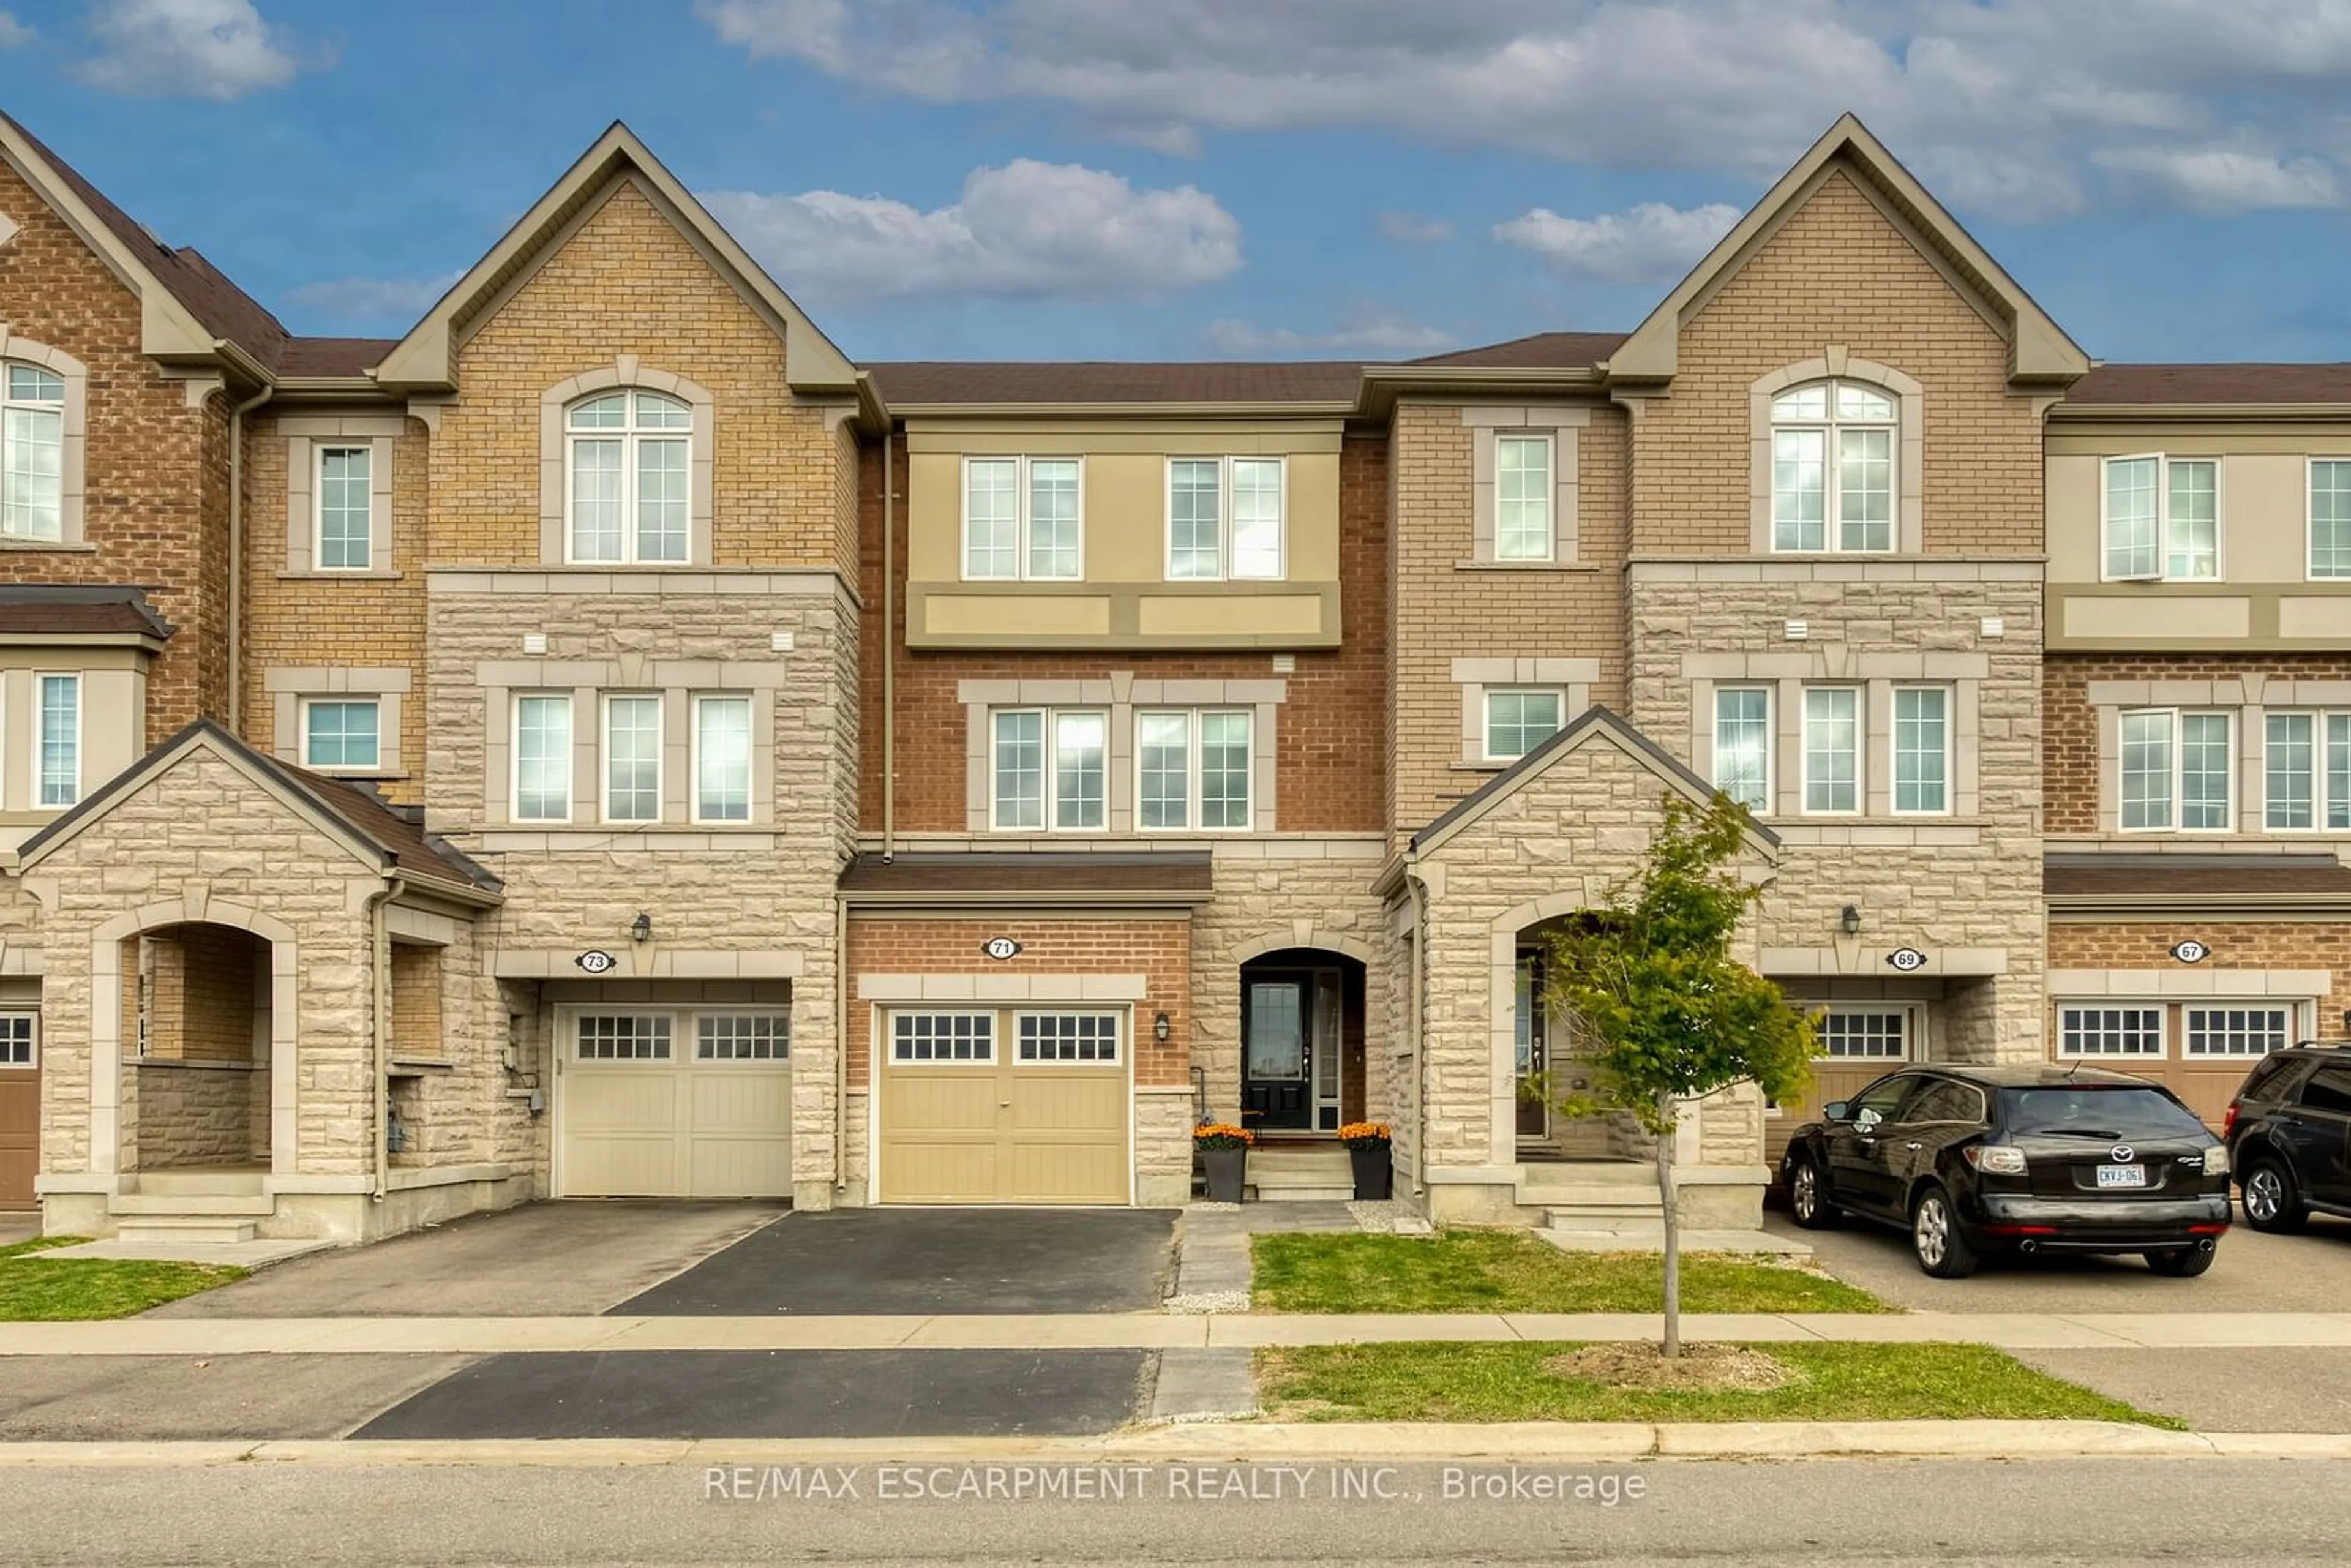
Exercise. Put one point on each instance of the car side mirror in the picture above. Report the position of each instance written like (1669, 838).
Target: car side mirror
(1835, 1111)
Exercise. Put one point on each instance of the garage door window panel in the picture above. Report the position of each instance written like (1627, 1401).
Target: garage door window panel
(20, 1044)
(625, 1037)
(2111, 1030)
(742, 1036)
(943, 1038)
(1090, 1039)
(1858, 1036)
(2233, 1033)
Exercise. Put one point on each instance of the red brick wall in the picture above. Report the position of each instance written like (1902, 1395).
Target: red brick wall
(1159, 947)
(2069, 735)
(2236, 945)
(1329, 764)
(155, 477)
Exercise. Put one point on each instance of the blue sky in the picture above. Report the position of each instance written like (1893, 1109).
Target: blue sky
(1225, 178)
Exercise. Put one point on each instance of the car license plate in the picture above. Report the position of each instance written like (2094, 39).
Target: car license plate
(2121, 1175)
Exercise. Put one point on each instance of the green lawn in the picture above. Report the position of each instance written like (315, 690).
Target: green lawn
(1509, 1271)
(77, 1289)
(1427, 1382)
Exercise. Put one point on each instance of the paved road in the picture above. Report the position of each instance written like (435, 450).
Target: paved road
(2079, 1513)
(543, 1260)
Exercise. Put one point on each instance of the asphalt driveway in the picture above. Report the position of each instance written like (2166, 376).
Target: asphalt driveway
(2253, 1273)
(565, 1259)
(889, 1262)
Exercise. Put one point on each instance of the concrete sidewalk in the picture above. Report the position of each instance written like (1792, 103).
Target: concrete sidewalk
(1149, 1331)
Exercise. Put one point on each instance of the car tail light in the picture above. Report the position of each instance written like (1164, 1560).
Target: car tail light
(1994, 1159)
(2216, 1160)
(2229, 1121)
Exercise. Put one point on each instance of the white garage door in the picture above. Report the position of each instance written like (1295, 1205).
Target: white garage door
(684, 1103)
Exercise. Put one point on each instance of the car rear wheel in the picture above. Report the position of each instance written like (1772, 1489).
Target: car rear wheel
(1935, 1237)
(2271, 1202)
(1813, 1211)
(2181, 1262)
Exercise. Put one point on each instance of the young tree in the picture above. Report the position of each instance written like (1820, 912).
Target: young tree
(1659, 1009)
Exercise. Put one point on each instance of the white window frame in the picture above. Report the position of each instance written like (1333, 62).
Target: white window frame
(1894, 748)
(1908, 1012)
(604, 755)
(1049, 764)
(983, 1017)
(1195, 771)
(2325, 802)
(2176, 819)
(1023, 1017)
(1860, 696)
(2287, 1033)
(2310, 519)
(40, 749)
(1831, 426)
(696, 756)
(320, 452)
(32, 1019)
(308, 705)
(52, 406)
(1548, 493)
(1770, 740)
(667, 1034)
(780, 1035)
(1558, 695)
(1023, 465)
(631, 433)
(2161, 1010)
(2164, 462)
(1225, 572)
(570, 752)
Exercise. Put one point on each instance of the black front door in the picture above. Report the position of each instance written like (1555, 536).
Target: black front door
(1277, 1054)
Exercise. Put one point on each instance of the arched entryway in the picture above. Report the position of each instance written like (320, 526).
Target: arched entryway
(1301, 1042)
(1546, 1066)
(198, 1016)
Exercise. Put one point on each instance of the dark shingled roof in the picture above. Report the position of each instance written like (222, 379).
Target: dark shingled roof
(1543, 350)
(2194, 384)
(978, 383)
(52, 608)
(342, 357)
(1178, 876)
(2188, 877)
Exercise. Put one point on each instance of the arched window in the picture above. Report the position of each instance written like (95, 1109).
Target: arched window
(631, 466)
(1833, 478)
(32, 452)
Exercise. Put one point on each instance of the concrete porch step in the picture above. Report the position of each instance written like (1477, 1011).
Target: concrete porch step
(212, 1231)
(169, 1204)
(1303, 1194)
(230, 1181)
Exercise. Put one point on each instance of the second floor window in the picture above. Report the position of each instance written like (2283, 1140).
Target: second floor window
(1192, 769)
(32, 453)
(1922, 750)
(59, 738)
(1020, 517)
(2330, 518)
(1832, 750)
(722, 760)
(346, 495)
(2306, 771)
(1518, 722)
(632, 759)
(1833, 447)
(1523, 497)
(543, 758)
(340, 734)
(2175, 771)
(2162, 518)
(1050, 770)
(1742, 744)
(631, 465)
(1224, 517)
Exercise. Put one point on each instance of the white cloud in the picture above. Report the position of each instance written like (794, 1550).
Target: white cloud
(373, 299)
(2018, 108)
(1410, 229)
(1650, 244)
(218, 50)
(1027, 230)
(1370, 334)
(14, 33)
(2222, 180)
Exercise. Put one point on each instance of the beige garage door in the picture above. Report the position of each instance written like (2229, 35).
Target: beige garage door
(2199, 1050)
(1009, 1105)
(676, 1105)
(1855, 1043)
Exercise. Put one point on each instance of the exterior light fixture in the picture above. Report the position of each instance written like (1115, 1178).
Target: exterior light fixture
(640, 929)
(1159, 1029)
(1849, 920)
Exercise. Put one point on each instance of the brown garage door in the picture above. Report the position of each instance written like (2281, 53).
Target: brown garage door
(1004, 1105)
(20, 1109)
(1855, 1043)
(2199, 1050)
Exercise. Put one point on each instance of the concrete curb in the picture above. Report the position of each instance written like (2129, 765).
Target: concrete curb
(1402, 1442)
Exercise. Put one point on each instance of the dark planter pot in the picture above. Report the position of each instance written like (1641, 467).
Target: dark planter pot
(1375, 1175)
(1225, 1169)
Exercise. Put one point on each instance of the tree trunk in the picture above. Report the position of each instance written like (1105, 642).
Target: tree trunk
(1666, 1198)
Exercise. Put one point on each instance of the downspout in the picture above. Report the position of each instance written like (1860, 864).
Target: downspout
(889, 652)
(380, 946)
(236, 559)
(1418, 1007)
(841, 1013)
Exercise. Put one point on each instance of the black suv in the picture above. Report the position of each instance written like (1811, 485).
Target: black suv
(2289, 1132)
(2037, 1158)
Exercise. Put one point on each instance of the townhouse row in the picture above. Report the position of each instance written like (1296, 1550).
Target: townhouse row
(606, 742)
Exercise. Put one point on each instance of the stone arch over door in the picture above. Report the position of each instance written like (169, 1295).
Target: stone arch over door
(192, 907)
(1303, 934)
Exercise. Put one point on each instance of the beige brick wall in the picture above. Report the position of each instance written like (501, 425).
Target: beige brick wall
(1838, 273)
